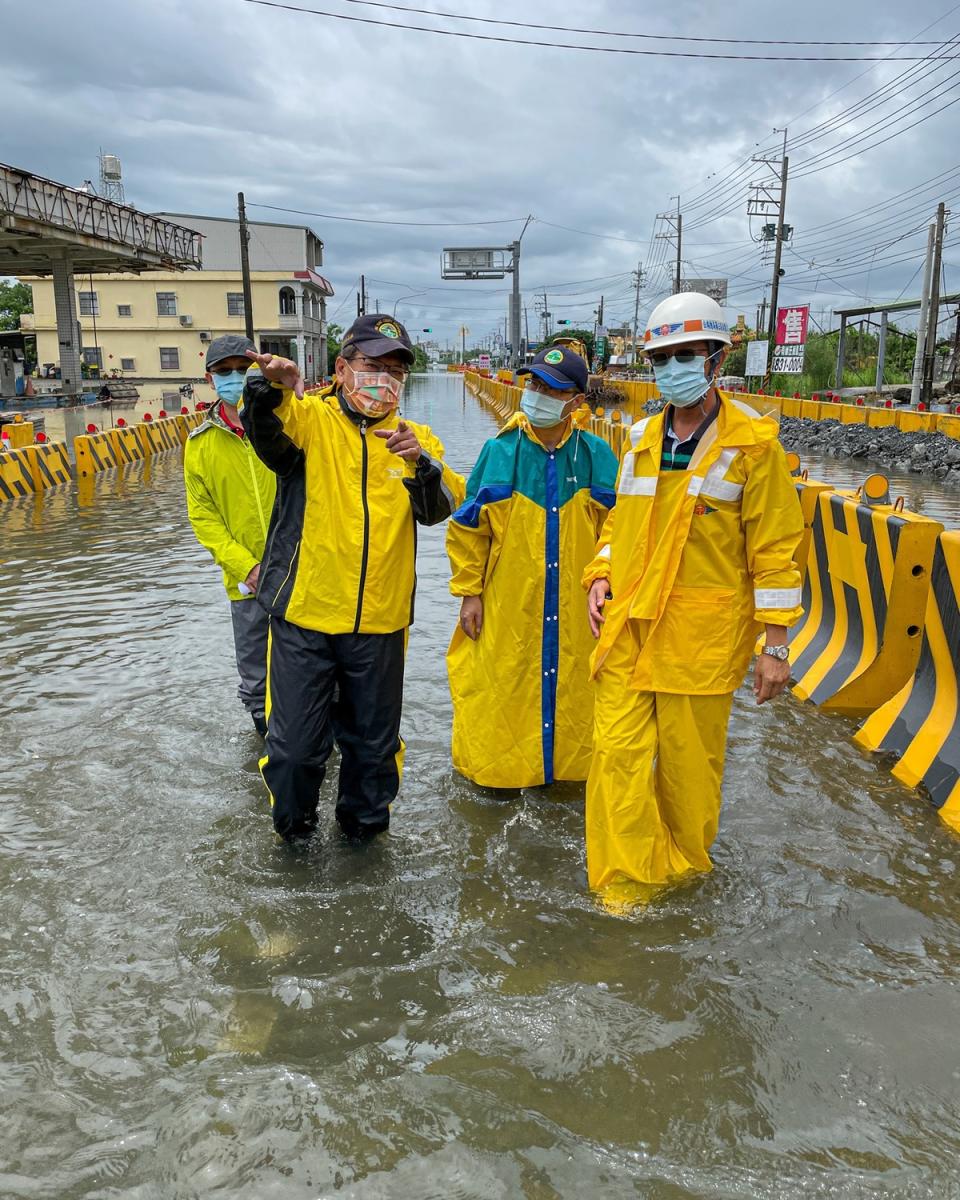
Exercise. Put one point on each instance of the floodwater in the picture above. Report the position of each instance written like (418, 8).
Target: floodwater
(189, 1010)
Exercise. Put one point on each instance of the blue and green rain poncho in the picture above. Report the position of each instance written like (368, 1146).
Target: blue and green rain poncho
(522, 700)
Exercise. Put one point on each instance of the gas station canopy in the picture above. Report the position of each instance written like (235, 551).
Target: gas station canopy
(43, 223)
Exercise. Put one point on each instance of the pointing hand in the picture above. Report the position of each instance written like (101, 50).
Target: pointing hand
(401, 441)
(279, 370)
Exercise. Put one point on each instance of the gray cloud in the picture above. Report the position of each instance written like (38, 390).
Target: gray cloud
(202, 99)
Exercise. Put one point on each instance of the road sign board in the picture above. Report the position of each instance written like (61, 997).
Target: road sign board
(756, 358)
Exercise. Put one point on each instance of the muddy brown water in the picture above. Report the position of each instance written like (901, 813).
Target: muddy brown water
(188, 1010)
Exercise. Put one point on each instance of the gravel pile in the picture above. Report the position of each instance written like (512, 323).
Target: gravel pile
(932, 454)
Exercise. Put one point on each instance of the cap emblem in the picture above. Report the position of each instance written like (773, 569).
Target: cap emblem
(553, 356)
(388, 329)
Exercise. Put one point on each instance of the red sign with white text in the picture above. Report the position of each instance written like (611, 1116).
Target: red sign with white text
(791, 340)
(792, 325)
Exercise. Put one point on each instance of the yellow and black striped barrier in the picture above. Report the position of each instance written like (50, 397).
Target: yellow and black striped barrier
(16, 477)
(865, 590)
(49, 465)
(921, 723)
(104, 450)
(94, 452)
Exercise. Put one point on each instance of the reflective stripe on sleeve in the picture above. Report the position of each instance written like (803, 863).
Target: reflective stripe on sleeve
(776, 597)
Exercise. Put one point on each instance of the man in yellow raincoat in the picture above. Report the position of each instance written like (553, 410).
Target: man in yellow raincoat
(338, 578)
(697, 558)
(519, 660)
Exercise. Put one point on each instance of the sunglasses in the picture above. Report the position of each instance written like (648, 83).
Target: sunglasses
(227, 370)
(682, 356)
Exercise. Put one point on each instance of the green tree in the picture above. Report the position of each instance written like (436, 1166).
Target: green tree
(334, 338)
(15, 298)
(583, 335)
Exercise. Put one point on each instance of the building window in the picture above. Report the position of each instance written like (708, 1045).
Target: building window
(124, 310)
(128, 364)
(93, 356)
(89, 304)
(235, 304)
(288, 302)
(166, 304)
(169, 358)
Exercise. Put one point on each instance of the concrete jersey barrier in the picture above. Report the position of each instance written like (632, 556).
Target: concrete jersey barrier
(864, 597)
(921, 724)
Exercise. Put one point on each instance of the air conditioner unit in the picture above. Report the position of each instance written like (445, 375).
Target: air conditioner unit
(206, 336)
(186, 322)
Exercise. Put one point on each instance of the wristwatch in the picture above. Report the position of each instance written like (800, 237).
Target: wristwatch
(781, 653)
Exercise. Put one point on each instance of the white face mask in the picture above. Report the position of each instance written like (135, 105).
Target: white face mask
(374, 393)
(540, 409)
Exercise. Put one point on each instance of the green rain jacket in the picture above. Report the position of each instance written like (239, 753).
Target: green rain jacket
(230, 496)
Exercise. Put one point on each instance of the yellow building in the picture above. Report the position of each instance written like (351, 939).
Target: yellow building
(157, 327)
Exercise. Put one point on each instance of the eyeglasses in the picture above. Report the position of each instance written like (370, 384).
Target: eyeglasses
(228, 370)
(380, 367)
(537, 385)
(682, 356)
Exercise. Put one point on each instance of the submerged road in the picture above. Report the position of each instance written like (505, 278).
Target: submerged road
(188, 1010)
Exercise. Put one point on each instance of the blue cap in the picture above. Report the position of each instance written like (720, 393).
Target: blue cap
(559, 367)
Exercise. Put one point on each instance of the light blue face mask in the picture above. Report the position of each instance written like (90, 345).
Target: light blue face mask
(540, 409)
(683, 384)
(229, 388)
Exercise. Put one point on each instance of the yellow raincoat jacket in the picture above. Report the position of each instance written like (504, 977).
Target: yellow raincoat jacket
(701, 558)
(522, 702)
(342, 550)
(230, 496)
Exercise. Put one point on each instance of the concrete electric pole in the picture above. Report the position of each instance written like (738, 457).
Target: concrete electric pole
(245, 267)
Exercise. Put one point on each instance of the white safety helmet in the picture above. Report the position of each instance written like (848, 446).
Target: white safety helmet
(685, 317)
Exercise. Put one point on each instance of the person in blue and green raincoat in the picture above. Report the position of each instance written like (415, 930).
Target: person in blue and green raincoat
(519, 660)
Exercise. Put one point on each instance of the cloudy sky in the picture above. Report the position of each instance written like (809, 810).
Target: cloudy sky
(202, 98)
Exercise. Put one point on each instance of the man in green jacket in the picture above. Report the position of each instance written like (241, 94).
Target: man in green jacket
(230, 495)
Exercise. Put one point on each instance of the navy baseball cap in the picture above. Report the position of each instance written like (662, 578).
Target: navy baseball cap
(229, 345)
(559, 367)
(375, 335)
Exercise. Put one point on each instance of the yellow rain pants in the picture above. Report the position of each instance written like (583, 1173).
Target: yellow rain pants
(653, 796)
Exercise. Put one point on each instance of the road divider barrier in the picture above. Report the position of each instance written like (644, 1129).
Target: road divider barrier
(33, 468)
(920, 725)
(96, 452)
(16, 477)
(864, 596)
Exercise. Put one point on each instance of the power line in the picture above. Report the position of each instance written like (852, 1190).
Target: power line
(656, 37)
(489, 37)
(301, 212)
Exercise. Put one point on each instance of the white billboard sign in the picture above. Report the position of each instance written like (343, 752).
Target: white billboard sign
(756, 358)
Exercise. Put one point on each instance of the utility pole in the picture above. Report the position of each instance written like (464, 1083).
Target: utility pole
(933, 313)
(638, 280)
(766, 200)
(245, 267)
(777, 253)
(918, 357)
(545, 315)
(362, 297)
(675, 222)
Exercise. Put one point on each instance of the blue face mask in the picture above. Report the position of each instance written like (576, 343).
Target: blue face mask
(683, 384)
(230, 387)
(540, 409)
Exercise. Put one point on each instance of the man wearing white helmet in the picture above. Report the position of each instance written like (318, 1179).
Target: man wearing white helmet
(697, 558)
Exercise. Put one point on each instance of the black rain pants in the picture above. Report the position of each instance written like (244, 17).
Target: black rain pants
(306, 668)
